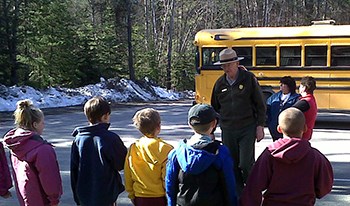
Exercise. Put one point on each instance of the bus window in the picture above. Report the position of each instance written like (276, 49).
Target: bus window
(316, 55)
(211, 55)
(266, 56)
(245, 52)
(290, 55)
(340, 55)
(197, 60)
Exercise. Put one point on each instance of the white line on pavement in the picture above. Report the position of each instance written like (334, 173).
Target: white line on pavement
(342, 180)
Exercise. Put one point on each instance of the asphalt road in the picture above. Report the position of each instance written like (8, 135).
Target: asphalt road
(331, 137)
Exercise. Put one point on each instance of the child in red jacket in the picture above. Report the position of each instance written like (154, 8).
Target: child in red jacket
(289, 171)
(307, 104)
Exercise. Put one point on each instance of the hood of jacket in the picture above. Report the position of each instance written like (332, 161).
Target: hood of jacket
(21, 141)
(91, 129)
(289, 150)
(151, 150)
(194, 161)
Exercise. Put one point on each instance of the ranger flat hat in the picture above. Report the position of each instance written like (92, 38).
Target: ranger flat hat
(227, 56)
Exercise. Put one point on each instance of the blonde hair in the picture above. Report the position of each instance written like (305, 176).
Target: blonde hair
(147, 121)
(292, 122)
(26, 114)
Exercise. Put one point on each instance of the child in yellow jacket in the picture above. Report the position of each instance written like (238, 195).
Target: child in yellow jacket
(145, 163)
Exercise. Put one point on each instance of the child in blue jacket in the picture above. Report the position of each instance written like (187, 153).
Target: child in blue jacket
(200, 171)
(97, 155)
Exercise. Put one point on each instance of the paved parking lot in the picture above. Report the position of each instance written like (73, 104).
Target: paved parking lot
(332, 137)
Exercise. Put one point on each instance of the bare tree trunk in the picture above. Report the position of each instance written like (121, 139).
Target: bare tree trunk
(146, 24)
(280, 12)
(239, 12)
(170, 45)
(185, 27)
(249, 13)
(212, 14)
(318, 10)
(154, 24)
(130, 53)
(266, 13)
(165, 20)
(309, 9)
(325, 10)
(180, 22)
(26, 49)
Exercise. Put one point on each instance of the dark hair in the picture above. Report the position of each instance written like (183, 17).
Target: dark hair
(290, 82)
(309, 83)
(95, 108)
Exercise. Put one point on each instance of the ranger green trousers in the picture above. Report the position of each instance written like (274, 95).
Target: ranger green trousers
(241, 143)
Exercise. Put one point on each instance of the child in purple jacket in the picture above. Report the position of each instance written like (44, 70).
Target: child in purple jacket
(34, 163)
(289, 171)
(5, 177)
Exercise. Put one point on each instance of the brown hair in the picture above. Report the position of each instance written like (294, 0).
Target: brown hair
(95, 108)
(147, 121)
(309, 83)
(26, 114)
(292, 122)
(201, 128)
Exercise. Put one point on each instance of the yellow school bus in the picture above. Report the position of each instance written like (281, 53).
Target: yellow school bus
(321, 50)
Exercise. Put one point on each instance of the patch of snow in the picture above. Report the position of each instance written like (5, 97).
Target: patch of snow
(114, 90)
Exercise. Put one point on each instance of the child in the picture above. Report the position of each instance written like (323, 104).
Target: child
(290, 170)
(307, 104)
(200, 170)
(34, 163)
(145, 163)
(97, 155)
(5, 177)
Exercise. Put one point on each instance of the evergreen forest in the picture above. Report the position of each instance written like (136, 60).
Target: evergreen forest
(73, 43)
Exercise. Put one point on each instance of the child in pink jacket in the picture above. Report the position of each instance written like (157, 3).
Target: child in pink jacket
(35, 168)
(5, 177)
